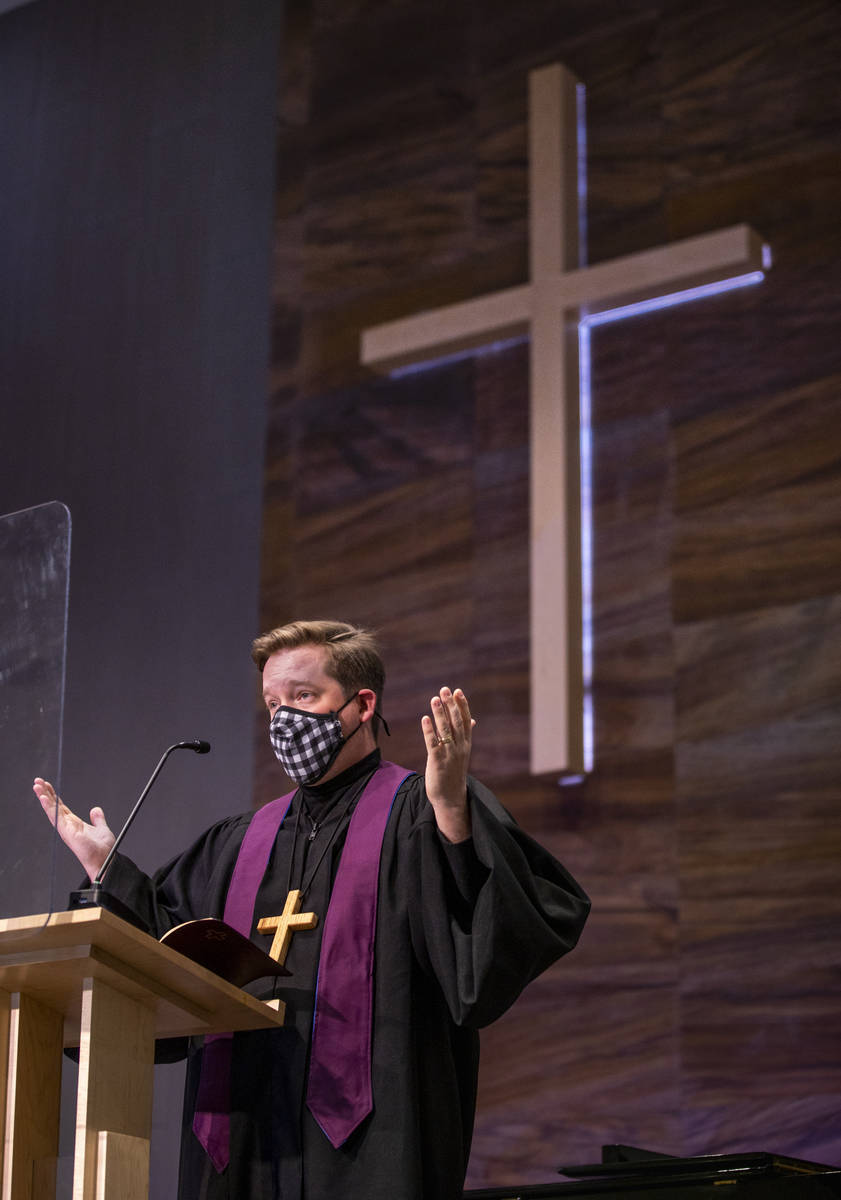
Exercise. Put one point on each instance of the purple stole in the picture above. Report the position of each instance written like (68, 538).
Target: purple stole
(339, 1089)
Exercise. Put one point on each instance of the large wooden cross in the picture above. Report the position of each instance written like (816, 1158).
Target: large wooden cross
(562, 298)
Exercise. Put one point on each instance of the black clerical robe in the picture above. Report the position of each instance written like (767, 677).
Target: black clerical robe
(461, 929)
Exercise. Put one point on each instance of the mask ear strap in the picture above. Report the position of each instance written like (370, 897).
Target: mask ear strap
(346, 703)
(377, 713)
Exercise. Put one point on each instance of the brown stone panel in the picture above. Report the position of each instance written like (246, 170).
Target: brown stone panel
(616, 833)
(500, 570)
(526, 1146)
(417, 524)
(692, 1014)
(614, 55)
(379, 205)
(773, 443)
(758, 486)
(768, 1031)
(794, 205)
(760, 890)
(625, 148)
(756, 821)
(633, 660)
(565, 1063)
(756, 669)
(364, 441)
(744, 90)
(620, 841)
(629, 367)
(805, 1127)
(502, 199)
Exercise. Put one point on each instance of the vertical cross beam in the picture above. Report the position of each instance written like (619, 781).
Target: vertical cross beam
(557, 733)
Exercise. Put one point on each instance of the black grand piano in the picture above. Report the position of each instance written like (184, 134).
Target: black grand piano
(625, 1171)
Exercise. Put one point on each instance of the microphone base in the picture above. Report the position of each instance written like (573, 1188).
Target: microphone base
(97, 897)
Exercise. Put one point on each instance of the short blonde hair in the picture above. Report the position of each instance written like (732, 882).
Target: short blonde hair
(352, 659)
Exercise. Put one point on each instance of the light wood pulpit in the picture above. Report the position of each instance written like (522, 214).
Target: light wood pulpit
(88, 979)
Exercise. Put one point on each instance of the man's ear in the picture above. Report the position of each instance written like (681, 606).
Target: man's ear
(367, 700)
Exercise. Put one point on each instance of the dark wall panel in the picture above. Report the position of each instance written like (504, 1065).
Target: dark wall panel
(137, 167)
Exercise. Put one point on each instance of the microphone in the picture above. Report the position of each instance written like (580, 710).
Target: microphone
(199, 747)
(95, 896)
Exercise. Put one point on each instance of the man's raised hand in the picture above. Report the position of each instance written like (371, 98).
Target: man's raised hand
(448, 735)
(89, 842)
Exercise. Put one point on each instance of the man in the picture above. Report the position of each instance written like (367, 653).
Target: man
(426, 910)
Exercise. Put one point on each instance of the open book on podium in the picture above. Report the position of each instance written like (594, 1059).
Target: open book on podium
(87, 978)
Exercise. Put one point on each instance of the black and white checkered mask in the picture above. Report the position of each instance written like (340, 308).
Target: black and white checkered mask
(306, 743)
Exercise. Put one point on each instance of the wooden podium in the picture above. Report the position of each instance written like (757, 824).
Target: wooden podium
(86, 978)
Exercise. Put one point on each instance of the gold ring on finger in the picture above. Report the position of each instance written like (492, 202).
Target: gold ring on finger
(442, 741)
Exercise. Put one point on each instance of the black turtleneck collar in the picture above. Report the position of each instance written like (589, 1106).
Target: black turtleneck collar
(316, 794)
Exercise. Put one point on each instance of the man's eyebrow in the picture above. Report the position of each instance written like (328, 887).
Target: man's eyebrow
(291, 683)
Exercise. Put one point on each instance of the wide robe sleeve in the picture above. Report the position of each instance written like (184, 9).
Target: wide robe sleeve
(488, 915)
(190, 886)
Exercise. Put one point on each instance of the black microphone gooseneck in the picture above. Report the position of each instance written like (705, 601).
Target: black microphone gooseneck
(95, 896)
(199, 748)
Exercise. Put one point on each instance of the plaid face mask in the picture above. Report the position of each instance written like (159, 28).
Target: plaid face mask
(306, 744)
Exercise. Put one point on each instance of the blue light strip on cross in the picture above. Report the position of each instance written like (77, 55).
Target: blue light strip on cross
(447, 360)
(586, 461)
(656, 302)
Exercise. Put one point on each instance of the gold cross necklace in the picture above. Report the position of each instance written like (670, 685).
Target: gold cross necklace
(292, 919)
